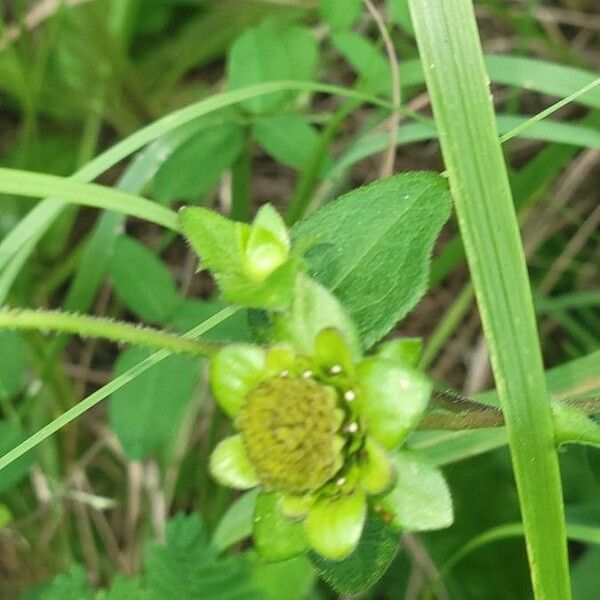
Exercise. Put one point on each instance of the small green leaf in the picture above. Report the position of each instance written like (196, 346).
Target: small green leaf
(122, 588)
(230, 466)
(392, 399)
(13, 363)
(377, 469)
(273, 51)
(142, 281)
(12, 435)
(289, 139)
(367, 564)
(571, 426)
(146, 412)
(5, 516)
(404, 351)
(340, 14)
(275, 537)
(234, 371)
(236, 524)
(334, 525)
(366, 59)
(420, 499)
(194, 167)
(314, 309)
(372, 247)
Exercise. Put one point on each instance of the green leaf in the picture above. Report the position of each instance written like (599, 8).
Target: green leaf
(420, 499)
(145, 414)
(367, 564)
(372, 247)
(187, 567)
(275, 537)
(71, 585)
(270, 52)
(366, 59)
(236, 524)
(142, 281)
(400, 14)
(313, 309)
(289, 139)
(571, 426)
(12, 363)
(192, 312)
(340, 14)
(194, 167)
(12, 435)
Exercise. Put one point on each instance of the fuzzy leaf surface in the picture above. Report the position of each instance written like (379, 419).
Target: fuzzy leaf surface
(372, 247)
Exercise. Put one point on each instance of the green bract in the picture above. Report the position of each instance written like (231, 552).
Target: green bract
(251, 263)
(315, 433)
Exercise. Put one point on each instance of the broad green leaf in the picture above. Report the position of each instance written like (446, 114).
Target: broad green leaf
(194, 167)
(236, 523)
(10, 436)
(145, 414)
(142, 281)
(366, 59)
(270, 52)
(186, 567)
(13, 362)
(420, 499)
(289, 139)
(367, 564)
(340, 14)
(275, 537)
(372, 247)
(313, 309)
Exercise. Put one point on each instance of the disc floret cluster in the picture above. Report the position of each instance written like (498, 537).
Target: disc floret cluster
(316, 430)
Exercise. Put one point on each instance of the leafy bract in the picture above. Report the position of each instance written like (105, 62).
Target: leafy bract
(420, 499)
(372, 247)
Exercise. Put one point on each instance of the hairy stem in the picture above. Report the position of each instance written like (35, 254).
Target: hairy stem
(95, 327)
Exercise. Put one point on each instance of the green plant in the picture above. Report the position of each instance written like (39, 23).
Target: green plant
(333, 419)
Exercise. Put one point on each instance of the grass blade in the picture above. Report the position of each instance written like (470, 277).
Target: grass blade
(458, 84)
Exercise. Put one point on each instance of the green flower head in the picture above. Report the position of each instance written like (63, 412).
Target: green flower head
(316, 431)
